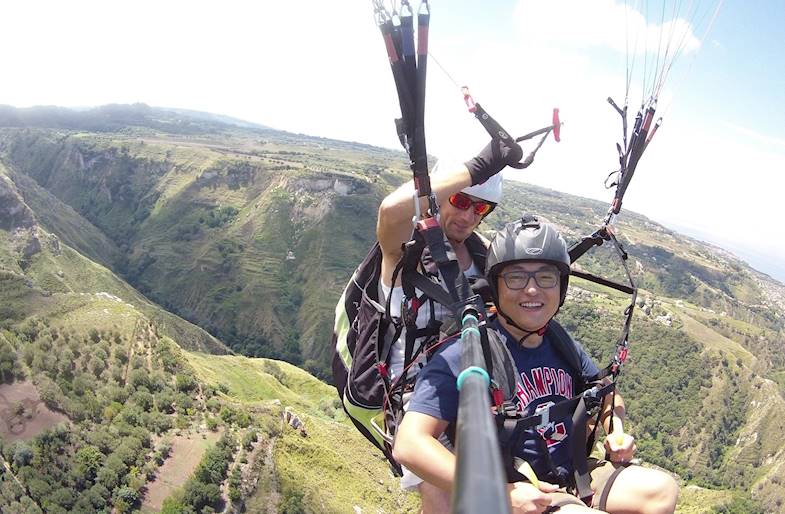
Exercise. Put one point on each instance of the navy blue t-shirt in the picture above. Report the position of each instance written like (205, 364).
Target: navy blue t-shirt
(545, 377)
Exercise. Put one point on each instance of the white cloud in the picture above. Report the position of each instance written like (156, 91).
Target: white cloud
(754, 135)
(605, 23)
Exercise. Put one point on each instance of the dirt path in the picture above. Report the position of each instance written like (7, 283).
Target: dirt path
(260, 480)
(131, 344)
(187, 452)
(8, 472)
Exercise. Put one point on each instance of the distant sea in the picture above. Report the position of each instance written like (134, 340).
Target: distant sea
(772, 265)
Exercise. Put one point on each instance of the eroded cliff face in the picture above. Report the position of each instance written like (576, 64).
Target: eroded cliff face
(17, 219)
(14, 213)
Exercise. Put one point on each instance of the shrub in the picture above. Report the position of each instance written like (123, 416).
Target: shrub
(23, 455)
(185, 382)
(249, 438)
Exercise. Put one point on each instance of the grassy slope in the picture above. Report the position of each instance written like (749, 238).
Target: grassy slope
(158, 195)
(60, 275)
(69, 225)
(334, 466)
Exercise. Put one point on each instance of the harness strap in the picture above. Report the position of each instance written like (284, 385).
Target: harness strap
(427, 286)
(576, 251)
(511, 436)
(603, 281)
(637, 145)
(419, 156)
(409, 77)
(581, 476)
(447, 261)
(586, 243)
(512, 430)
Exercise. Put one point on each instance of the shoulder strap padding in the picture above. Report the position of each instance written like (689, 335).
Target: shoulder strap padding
(504, 372)
(567, 348)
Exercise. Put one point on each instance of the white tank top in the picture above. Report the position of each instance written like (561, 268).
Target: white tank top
(398, 348)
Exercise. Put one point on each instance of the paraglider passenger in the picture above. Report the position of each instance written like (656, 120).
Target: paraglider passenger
(528, 270)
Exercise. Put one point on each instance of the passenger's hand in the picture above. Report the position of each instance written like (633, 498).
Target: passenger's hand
(527, 499)
(492, 159)
(620, 447)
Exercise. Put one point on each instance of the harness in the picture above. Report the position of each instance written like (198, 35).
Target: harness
(419, 270)
(513, 428)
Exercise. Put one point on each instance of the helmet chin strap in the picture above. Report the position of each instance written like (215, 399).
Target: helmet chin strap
(540, 331)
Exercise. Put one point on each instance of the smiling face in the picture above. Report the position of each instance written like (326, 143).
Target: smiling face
(535, 303)
(458, 224)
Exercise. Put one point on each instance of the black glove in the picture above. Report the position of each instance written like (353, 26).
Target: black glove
(492, 159)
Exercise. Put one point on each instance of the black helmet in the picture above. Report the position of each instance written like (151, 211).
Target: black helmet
(528, 239)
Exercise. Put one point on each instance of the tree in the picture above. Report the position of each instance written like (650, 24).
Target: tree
(213, 405)
(143, 399)
(50, 392)
(88, 461)
(108, 478)
(175, 505)
(228, 414)
(23, 455)
(129, 452)
(249, 438)
(166, 400)
(185, 382)
(121, 355)
(184, 403)
(292, 503)
(8, 361)
(139, 378)
(199, 495)
(63, 497)
(38, 488)
(127, 495)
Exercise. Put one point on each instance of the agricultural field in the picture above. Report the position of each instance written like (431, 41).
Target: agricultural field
(23, 415)
(186, 453)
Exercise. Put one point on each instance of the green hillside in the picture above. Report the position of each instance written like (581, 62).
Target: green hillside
(322, 468)
(97, 401)
(117, 226)
(248, 236)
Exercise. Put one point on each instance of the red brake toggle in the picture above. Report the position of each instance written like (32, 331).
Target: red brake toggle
(467, 97)
(498, 397)
(654, 130)
(427, 224)
(556, 125)
(382, 367)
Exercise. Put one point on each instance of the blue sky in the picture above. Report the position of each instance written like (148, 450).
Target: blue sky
(715, 169)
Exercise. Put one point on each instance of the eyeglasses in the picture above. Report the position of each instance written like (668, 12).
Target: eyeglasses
(462, 201)
(519, 279)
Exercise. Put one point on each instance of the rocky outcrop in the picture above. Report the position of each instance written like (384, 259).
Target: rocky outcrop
(339, 186)
(294, 421)
(14, 213)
